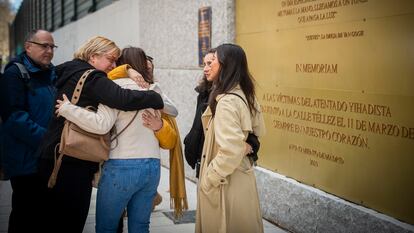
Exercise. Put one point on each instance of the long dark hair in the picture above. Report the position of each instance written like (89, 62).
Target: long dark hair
(137, 59)
(233, 71)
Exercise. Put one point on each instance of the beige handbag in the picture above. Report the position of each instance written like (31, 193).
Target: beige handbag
(76, 142)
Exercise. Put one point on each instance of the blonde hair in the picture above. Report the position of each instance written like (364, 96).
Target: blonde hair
(97, 45)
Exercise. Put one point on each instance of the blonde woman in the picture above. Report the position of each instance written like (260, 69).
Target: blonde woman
(67, 203)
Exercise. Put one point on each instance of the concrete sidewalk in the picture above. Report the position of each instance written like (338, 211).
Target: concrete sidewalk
(160, 223)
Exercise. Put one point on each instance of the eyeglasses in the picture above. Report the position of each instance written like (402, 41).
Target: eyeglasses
(44, 45)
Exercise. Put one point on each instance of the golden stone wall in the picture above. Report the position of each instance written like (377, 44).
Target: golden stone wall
(335, 82)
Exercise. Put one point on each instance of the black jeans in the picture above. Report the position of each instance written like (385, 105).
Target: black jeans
(26, 208)
(67, 203)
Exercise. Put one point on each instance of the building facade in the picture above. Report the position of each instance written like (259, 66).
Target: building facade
(169, 32)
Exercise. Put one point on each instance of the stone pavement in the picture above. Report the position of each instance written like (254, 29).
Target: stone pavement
(160, 223)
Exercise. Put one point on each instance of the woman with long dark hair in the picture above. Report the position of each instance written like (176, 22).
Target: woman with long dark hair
(194, 140)
(227, 193)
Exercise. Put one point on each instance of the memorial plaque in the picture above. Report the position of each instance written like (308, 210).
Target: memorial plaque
(204, 33)
(335, 82)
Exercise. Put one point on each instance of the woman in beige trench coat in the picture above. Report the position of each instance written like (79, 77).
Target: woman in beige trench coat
(227, 199)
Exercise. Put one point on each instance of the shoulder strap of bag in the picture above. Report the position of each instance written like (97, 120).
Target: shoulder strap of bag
(231, 93)
(250, 156)
(25, 76)
(23, 71)
(133, 118)
(79, 86)
(58, 161)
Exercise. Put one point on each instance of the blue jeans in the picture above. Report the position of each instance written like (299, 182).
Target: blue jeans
(131, 184)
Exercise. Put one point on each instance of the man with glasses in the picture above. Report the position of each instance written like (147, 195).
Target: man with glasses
(27, 97)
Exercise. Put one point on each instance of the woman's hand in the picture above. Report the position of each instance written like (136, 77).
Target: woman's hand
(152, 121)
(248, 149)
(60, 103)
(137, 78)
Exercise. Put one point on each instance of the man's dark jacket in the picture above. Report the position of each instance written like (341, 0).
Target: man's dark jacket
(26, 108)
